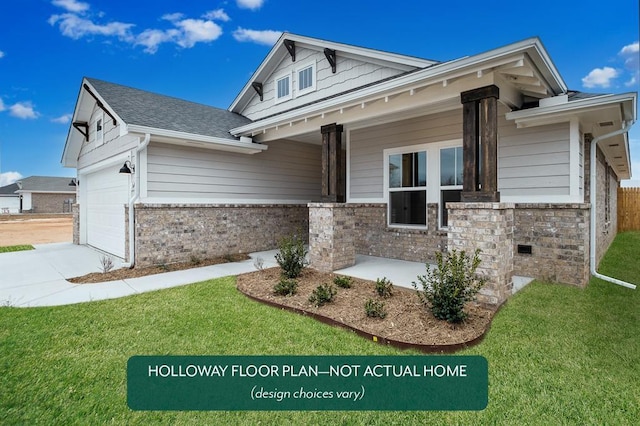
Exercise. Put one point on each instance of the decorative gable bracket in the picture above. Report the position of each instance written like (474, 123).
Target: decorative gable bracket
(79, 125)
(330, 54)
(258, 88)
(99, 103)
(291, 47)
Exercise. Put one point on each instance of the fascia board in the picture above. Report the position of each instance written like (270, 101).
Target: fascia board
(574, 107)
(440, 71)
(212, 142)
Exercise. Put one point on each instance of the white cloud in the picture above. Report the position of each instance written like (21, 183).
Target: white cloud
(250, 4)
(197, 30)
(267, 37)
(1, 54)
(600, 77)
(631, 56)
(217, 15)
(630, 48)
(152, 39)
(23, 110)
(63, 119)
(2, 107)
(172, 17)
(76, 27)
(7, 178)
(71, 5)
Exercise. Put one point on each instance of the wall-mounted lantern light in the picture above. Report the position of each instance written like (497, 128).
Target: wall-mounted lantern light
(127, 168)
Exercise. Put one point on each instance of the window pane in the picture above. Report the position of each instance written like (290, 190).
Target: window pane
(395, 170)
(448, 166)
(283, 87)
(421, 164)
(449, 196)
(459, 166)
(305, 78)
(408, 207)
(407, 170)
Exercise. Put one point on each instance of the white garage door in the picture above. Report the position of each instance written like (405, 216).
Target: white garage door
(9, 204)
(107, 192)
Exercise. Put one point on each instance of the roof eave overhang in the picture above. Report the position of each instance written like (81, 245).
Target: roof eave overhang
(437, 74)
(199, 141)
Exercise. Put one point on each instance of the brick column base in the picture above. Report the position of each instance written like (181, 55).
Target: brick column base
(331, 236)
(489, 227)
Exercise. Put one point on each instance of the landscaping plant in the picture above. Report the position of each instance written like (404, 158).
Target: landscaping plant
(383, 287)
(291, 256)
(375, 309)
(454, 282)
(286, 287)
(323, 294)
(342, 281)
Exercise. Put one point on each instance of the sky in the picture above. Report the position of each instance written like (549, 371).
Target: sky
(206, 50)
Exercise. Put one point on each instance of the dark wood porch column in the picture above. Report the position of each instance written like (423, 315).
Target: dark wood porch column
(480, 144)
(333, 172)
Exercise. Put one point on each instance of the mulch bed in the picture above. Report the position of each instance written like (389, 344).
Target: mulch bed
(407, 324)
(125, 273)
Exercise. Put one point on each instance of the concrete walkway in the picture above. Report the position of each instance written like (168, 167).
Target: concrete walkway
(38, 277)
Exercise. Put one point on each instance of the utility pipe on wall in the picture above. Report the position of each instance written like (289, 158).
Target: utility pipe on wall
(136, 195)
(593, 198)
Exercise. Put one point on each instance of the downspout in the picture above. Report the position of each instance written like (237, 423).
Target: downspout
(592, 196)
(132, 201)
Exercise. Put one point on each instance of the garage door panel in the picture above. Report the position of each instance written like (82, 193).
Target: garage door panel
(107, 193)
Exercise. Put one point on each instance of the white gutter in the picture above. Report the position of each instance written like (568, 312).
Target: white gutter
(592, 195)
(136, 196)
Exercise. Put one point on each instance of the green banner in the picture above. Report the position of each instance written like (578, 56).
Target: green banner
(307, 383)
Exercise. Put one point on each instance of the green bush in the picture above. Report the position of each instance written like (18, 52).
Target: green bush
(291, 256)
(323, 294)
(342, 281)
(286, 287)
(454, 282)
(375, 309)
(383, 287)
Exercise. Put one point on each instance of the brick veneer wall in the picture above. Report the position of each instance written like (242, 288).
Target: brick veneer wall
(559, 238)
(331, 236)
(374, 237)
(50, 203)
(169, 233)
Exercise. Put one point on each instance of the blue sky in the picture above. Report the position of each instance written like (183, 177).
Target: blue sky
(205, 51)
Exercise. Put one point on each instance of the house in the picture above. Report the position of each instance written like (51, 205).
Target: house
(372, 152)
(38, 194)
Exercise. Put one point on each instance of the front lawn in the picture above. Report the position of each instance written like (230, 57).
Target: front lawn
(557, 354)
(22, 247)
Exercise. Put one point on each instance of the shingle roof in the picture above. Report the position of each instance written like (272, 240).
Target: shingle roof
(45, 184)
(9, 189)
(148, 109)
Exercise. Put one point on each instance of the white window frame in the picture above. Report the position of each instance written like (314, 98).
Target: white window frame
(276, 80)
(98, 126)
(312, 88)
(387, 190)
(444, 187)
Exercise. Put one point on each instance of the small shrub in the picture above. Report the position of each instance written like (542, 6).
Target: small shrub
(454, 282)
(323, 294)
(375, 309)
(106, 264)
(342, 281)
(195, 260)
(286, 287)
(291, 256)
(258, 263)
(383, 287)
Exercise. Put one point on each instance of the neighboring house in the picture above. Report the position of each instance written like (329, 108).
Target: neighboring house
(372, 152)
(38, 194)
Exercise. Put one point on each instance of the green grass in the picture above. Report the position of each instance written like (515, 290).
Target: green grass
(8, 249)
(557, 354)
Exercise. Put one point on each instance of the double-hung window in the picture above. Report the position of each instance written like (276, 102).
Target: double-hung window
(283, 88)
(451, 173)
(407, 173)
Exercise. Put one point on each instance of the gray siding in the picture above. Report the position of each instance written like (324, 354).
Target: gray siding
(112, 144)
(367, 145)
(350, 73)
(286, 171)
(533, 161)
